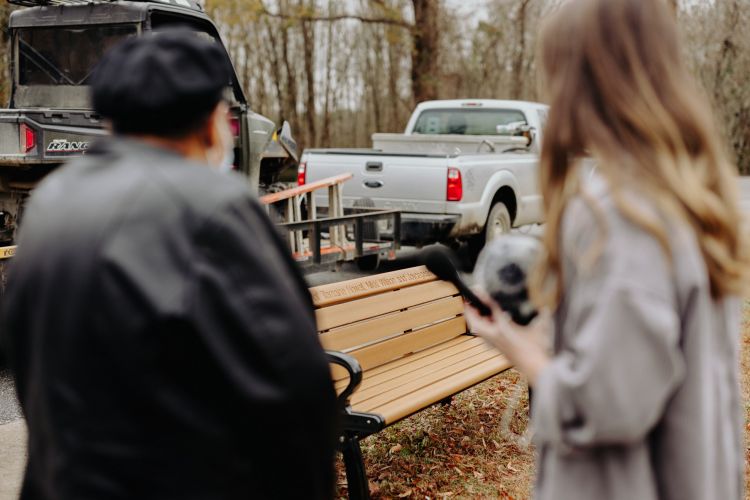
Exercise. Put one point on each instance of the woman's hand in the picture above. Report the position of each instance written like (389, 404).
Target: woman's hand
(524, 346)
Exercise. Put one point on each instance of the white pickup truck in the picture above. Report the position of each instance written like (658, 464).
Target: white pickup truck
(462, 170)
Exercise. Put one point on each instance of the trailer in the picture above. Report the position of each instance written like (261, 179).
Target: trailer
(324, 239)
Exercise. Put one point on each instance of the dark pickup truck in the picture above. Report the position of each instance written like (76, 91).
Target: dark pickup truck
(55, 44)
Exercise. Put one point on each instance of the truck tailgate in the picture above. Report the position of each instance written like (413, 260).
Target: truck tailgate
(410, 183)
(39, 136)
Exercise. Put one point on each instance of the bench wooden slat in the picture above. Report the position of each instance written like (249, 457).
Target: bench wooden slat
(350, 337)
(422, 358)
(403, 375)
(415, 401)
(418, 355)
(425, 378)
(341, 376)
(343, 314)
(389, 350)
(335, 293)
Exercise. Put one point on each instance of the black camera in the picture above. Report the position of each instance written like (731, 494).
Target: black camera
(503, 269)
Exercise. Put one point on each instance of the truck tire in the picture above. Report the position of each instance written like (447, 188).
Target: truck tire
(368, 263)
(276, 187)
(370, 231)
(277, 213)
(498, 223)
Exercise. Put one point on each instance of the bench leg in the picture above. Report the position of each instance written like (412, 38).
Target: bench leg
(531, 398)
(356, 476)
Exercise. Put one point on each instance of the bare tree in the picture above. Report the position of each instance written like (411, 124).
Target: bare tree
(308, 38)
(424, 73)
(519, 57)
(339, 71)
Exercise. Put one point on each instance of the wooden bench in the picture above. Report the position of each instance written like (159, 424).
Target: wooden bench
(398, 344)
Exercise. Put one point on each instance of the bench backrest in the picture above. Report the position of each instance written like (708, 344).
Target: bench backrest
(385, 317)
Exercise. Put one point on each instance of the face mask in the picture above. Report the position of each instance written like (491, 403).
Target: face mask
(225, 162)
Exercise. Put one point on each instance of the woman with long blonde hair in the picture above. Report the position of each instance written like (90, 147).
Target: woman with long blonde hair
(643, 268)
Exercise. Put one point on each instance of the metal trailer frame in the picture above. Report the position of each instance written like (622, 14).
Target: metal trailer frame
(362, 247)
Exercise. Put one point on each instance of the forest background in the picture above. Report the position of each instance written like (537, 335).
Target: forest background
(339, 70)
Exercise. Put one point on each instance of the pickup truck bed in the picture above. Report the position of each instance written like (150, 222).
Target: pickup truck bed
(417, 184)
(463, 170)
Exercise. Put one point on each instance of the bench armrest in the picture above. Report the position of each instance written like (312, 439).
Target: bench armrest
(355, 373)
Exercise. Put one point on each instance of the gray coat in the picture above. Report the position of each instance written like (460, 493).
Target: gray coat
(642, 398)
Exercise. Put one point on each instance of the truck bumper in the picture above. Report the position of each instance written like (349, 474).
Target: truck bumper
(419, 229)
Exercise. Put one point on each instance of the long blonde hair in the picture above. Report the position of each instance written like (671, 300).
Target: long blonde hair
(620, 93)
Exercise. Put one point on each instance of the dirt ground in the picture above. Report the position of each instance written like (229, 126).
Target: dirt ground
(460, 451)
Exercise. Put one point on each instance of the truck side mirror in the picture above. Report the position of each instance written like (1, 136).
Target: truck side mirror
(518, 129)
(284, 135)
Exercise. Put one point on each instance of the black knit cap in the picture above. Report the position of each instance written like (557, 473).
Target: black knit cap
(165, 84)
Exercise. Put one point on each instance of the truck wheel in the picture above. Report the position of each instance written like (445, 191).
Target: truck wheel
(278, 187)
(370, 232)
(370, 229)
(278, 211)
(368, 263)
(498, 222)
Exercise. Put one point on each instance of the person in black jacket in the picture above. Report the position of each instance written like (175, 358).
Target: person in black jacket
(162, 341)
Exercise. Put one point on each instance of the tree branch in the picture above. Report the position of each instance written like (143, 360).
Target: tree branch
(339, 17)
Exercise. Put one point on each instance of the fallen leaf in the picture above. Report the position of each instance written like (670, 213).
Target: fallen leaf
(374, 488)
(395, 449)
(405, 494)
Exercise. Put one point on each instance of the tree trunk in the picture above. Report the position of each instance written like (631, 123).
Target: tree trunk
(308, 38)
(520, 54)
(325, 135)
(372, 75)
(276, 70)
(424, 66)
(393, 95)
(4, 54)
(291, 74)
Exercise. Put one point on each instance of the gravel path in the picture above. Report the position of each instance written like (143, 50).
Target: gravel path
(9, 409)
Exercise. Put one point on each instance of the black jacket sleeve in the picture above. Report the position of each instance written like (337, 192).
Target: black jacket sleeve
(253, 312)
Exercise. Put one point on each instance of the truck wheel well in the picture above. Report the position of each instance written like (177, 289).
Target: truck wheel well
(506, 195)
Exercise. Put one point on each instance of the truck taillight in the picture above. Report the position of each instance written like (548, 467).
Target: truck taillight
(234, 125)
(302, 174)
(455, 187)
(28, 138)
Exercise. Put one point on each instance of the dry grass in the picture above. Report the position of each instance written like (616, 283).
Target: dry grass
(453, 451)
(458, 450)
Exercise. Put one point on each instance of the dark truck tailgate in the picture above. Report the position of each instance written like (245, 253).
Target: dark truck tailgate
(38, 136)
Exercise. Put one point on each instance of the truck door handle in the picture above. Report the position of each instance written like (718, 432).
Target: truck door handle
(374, 184)
(374, 166)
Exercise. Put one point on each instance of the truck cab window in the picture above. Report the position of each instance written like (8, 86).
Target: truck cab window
(466, 121)
(64, 56)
